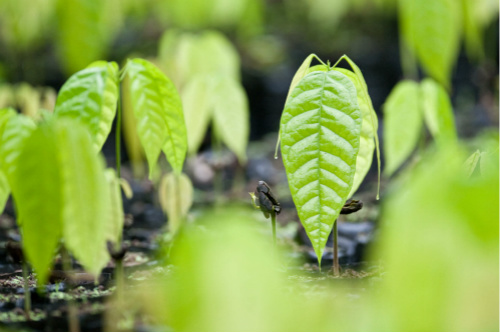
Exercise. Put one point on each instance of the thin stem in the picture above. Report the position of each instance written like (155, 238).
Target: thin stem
(119, 279)
(27, 294)
(273, 222)
(118, 136)
(218, 177)
(74, 325)
(336, 266)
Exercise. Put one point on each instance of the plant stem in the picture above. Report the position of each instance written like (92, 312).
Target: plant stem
(273, 221)
(336, 266)
(74, 325)
(119, 279)
(218, 177)
(118, 137)
(27, 294)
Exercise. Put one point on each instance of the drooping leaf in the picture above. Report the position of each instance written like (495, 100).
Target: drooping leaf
(231, 116)
(438, 112)
(368, 131)
(473, 30)
(85, 196)
(115, 209)
(39, 198)
(402, 124)
(432, 30)
(15, 132)
(158, 110)
(176, 197)
(90, 96)
(320, 130)
(135, 151)
(471, 163)
(197, 101)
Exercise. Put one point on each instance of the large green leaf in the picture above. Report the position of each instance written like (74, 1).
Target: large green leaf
(231, 115)
(15, 132)
(368, 130)
(197, 104)
(320, 130)
(160, 120)
(402, 124)
(438, 112)
(4, 191)
(85, 196)
(176, 197)
(432, 29)
(39, 199)
(90, 96)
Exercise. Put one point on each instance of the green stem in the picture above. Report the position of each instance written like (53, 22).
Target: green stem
(118, 137)
(74, 325)
(218, 178)
(273, 221)
(336, 266)
(120, 280)
(27, 294)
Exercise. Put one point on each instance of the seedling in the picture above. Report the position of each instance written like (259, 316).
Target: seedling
(267, 203)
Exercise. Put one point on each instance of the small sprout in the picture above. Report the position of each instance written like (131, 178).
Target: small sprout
(267, 203)
(351, 206)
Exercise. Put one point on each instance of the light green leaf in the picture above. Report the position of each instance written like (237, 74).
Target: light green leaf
(115, 209)
(4, 191)
(15, 132)
(231, 116)
(39, 198)
(473, 30)
(471, 163)
(5, 115)
(320, 129)
(158, 110)
(176, 197)
(368, 132)
(85, 196)
(197, 101)
(402, 124)
(90, 96)
(438, 112)
(299, 75)
(432, 29)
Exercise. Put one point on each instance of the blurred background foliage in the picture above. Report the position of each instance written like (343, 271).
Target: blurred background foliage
(439, 236)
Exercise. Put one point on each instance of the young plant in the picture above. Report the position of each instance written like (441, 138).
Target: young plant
(321, 130)
(267, 203)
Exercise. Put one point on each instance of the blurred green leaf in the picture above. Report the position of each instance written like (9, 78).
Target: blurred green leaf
(402, 124)
(438, 112)
(320, 130)
(471, 163)
(176, 197)
(90, 96)
(85, 29)
(115, 208)
(85, 196)
(158, 110)
(432, 29)
(4, 191)
(231, 116)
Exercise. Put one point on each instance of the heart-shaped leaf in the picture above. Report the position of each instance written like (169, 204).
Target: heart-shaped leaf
(158, 110)
(402, 124)
(320, 130)
(90, 96)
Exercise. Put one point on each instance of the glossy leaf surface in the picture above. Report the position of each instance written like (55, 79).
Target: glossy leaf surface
(90, 96)
(320, 129)
(158, 110)
(402, 124)
(231, 116)
(368, 131)
(438, 112)
(176, 198)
